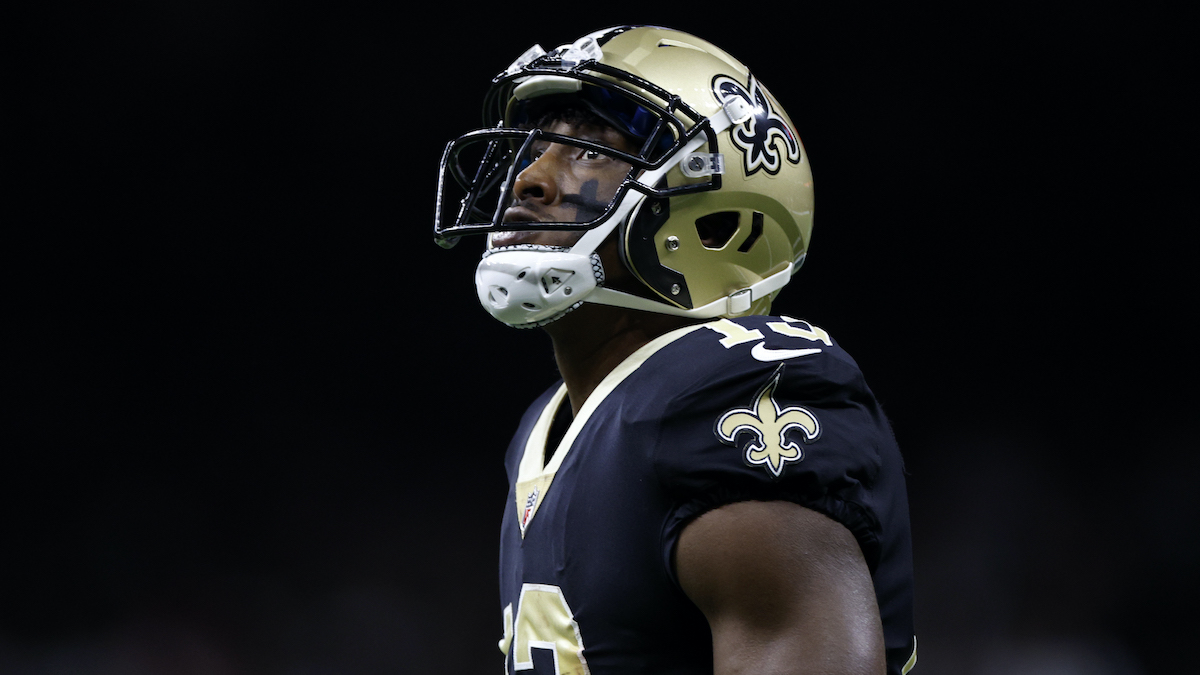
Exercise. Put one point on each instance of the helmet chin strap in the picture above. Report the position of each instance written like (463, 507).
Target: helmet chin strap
(528, 286)
(734, 304)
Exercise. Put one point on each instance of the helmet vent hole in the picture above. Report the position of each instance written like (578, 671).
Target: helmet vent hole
(716, 229)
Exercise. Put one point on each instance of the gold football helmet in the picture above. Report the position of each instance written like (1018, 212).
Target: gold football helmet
(713, 218)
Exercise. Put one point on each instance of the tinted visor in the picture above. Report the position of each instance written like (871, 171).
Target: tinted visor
(646, 129)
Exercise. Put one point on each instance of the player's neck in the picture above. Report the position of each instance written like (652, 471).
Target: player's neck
(594, 339)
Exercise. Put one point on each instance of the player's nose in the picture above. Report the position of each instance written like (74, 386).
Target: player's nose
(537, 181)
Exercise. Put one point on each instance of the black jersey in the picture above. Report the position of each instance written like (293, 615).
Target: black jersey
(755, 408)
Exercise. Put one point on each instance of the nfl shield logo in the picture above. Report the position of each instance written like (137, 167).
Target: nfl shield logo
(530, 502)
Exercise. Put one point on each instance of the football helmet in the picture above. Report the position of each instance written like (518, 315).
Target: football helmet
(713, 218)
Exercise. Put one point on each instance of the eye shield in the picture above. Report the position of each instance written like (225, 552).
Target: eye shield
(646, 129)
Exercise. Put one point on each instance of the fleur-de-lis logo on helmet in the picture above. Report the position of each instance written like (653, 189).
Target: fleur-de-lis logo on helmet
(764, 137)
(770, 425)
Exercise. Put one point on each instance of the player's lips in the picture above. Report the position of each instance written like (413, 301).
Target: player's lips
(515, 214)
(510, 238)
(518, 213)
(540, 237)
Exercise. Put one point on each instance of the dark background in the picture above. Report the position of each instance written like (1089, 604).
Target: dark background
(256, 416)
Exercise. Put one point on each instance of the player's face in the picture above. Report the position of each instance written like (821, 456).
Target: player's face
(564, 183)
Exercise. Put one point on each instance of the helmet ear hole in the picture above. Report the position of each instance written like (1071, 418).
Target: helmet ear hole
(716, 229)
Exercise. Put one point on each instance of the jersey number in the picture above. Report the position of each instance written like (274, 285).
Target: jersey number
(734, 334)
(543, 622)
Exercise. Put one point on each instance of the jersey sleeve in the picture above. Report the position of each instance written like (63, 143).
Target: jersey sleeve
(790, 419)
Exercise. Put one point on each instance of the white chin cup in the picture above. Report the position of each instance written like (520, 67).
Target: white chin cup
(528, 286)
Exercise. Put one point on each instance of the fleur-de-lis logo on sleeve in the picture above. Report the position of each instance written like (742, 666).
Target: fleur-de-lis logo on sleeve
(771, 427)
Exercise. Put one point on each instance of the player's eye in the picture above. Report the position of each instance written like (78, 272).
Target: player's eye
(537, 149)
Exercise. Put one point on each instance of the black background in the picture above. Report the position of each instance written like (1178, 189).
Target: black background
(256, 416)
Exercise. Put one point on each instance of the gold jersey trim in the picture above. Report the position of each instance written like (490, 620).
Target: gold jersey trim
(912, 660)
(534, 475)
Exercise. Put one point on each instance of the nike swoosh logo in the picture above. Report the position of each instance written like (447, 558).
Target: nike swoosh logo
(762, 353)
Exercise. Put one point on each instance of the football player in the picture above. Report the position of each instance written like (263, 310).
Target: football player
(709, 489)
